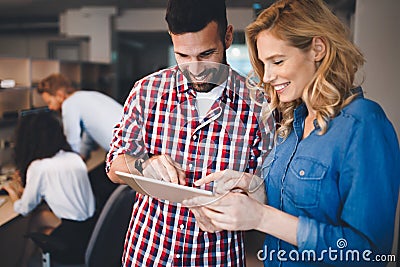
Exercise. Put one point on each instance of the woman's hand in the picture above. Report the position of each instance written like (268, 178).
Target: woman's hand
(232, 211)
(14, 187)
(227, 181)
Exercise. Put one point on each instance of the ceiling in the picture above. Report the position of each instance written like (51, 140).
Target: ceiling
(51, 8)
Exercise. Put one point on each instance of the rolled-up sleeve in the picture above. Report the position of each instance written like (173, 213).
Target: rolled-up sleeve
(127, 134)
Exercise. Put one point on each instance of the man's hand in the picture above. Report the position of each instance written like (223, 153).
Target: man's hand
(228, 180)
(160, 167)
(163, 167)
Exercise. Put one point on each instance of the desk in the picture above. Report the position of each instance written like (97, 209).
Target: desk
(12, 230)
(7, 212)
(13, 226)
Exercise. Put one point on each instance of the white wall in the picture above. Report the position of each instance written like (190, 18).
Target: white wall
(376, 32)
(92, 22)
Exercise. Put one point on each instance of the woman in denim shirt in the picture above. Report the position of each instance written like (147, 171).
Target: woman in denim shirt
(332, 181)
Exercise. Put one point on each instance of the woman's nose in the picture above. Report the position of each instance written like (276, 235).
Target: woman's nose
(268, 75)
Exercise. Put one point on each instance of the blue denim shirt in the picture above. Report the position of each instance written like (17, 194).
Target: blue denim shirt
(343, 186)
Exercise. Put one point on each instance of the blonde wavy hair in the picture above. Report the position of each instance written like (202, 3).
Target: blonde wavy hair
(298, 22)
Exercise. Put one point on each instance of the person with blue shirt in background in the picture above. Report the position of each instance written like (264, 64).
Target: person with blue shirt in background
(332, 183)
(88, 117)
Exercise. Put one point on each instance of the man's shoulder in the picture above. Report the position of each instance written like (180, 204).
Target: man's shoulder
(245, 88)
(237, 74)
(158, 76)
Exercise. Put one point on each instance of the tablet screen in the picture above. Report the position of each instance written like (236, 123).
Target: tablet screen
(161, 189)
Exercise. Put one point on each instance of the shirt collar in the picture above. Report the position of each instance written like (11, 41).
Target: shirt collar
(357, 91)
(301, 111)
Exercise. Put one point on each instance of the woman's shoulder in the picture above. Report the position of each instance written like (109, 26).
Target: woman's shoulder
(62, 157)
(364, 109)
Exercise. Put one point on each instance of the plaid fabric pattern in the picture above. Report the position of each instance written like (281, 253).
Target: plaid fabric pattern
(160, 117)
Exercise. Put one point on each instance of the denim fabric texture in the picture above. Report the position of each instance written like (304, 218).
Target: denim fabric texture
(342, 185)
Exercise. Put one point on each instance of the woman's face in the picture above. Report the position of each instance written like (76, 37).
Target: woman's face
(286, 68)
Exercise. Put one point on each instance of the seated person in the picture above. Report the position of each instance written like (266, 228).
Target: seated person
(88, 120)
(88, 117)
(51, 183)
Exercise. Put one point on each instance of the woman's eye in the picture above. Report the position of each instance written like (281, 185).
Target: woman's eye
(278, 62)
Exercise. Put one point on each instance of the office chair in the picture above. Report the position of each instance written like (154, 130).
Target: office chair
(107, 240)
(105, 246)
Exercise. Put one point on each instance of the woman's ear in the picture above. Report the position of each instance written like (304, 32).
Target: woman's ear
(228, 36)
(319, 48)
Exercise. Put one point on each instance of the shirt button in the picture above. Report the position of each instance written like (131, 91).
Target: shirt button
(181, 226)
(178, 256)
(194, 137)
(302, 172)
(190, 165)
(193, 108)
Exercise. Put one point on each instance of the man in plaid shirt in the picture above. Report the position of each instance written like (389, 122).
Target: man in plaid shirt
(181, 124)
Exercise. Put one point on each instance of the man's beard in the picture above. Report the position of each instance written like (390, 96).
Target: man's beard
(214, 76)
(202, 87)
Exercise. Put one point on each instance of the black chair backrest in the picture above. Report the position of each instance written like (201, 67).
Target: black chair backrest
(107, 241)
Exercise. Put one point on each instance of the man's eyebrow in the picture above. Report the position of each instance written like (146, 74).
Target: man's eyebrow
(208, 51)
(180, 54)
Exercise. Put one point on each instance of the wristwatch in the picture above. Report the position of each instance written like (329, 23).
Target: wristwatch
(139, 165)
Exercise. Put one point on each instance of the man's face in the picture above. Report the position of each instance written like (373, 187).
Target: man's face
(201, 56)
(53, 102)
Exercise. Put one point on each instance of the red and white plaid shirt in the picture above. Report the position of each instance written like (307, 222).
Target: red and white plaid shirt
(160, 117)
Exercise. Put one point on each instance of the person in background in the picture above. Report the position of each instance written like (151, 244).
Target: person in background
(88, 120)
(179, 125)
(332, 182)
(88, 116)
(51, 184)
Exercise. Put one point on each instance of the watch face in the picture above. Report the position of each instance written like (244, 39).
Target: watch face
(138, 165)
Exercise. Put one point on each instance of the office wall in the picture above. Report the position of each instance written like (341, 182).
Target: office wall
(375, 25)
(25, 45)
(35, 45)
(376, 32)
(148, 20)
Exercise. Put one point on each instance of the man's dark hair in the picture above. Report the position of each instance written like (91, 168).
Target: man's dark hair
(185, 16)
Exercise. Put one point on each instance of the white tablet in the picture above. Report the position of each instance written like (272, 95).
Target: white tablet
(161, 189)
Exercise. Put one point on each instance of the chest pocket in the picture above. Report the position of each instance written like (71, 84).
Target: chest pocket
(303, 182)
